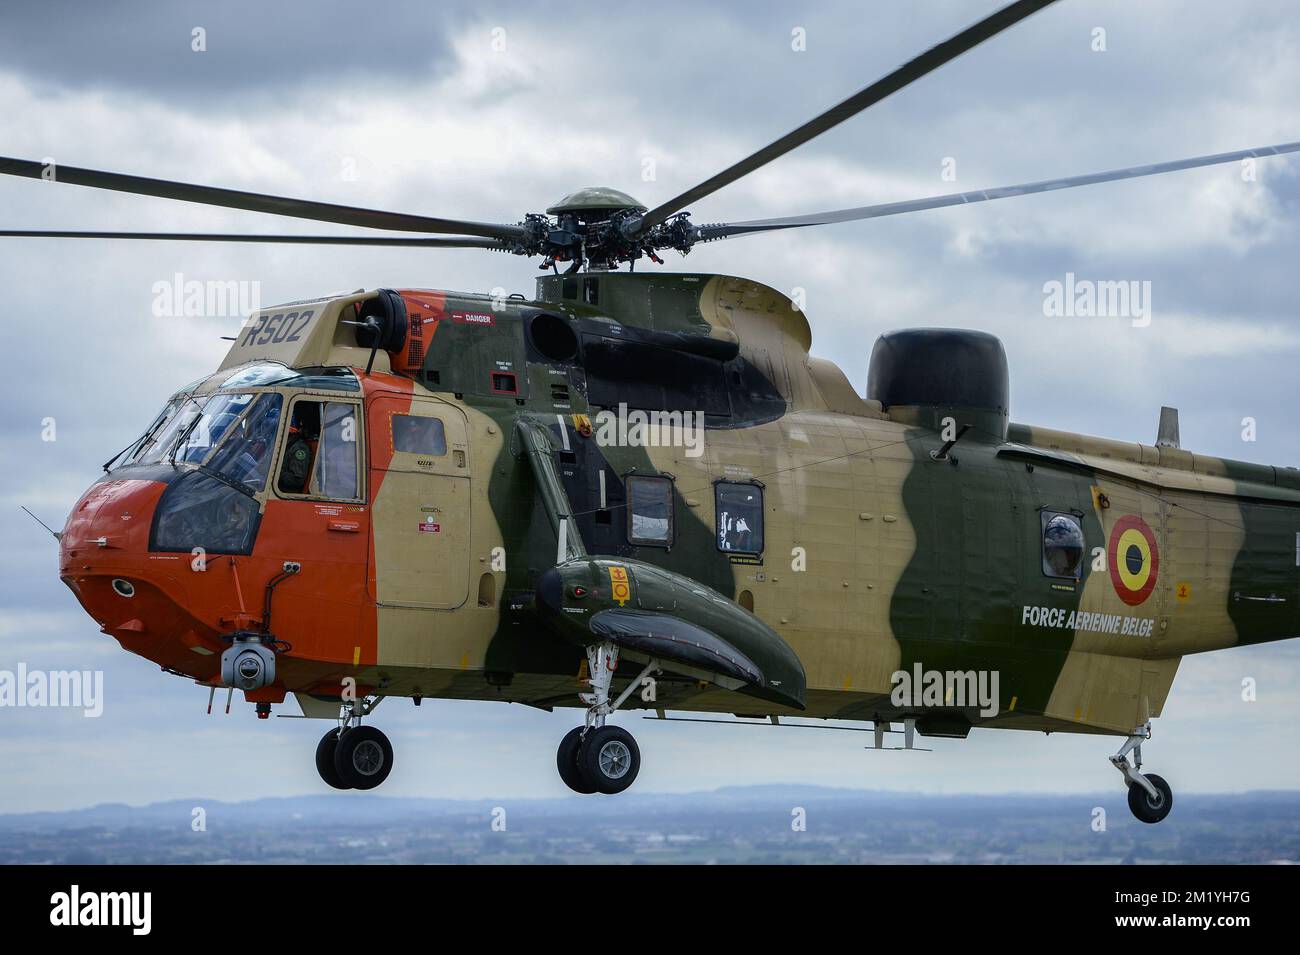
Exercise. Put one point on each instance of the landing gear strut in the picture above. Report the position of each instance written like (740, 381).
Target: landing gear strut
(595, 758)
(1149, 797)
(354, 756)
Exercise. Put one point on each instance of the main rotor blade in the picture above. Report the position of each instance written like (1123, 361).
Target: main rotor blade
(254, 202)
(726, 229)
(909, 72)
(451, 242)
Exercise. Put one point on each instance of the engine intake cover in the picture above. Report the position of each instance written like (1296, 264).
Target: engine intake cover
(940, 367)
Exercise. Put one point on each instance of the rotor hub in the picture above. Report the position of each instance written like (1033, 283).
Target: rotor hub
(598, 226)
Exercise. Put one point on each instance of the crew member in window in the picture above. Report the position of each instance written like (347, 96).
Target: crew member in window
(300, 448)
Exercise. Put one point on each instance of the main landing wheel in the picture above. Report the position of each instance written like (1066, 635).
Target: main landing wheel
(363, 757)
(609, 759)
(1147, 808)
(325, 760)
(605, 761)
(566, 760)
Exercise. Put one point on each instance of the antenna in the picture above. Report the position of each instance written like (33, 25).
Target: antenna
(1167, 435)
(57, 535)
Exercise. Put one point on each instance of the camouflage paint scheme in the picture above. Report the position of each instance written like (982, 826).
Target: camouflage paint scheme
(909, 560)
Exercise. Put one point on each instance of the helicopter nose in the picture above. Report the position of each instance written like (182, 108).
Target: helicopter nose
(113, 515)
(104, 557)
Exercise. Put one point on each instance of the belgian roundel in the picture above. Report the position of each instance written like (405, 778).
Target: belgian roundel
(1134, 559)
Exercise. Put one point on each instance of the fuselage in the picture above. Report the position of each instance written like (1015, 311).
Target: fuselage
(1078, 570)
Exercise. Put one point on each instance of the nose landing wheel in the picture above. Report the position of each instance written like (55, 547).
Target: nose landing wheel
(363, 757)
(354, 756)
(325, 750)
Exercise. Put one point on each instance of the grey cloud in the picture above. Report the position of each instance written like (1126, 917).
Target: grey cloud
(253, 48)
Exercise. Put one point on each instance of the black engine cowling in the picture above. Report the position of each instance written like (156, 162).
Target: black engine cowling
(942, 369)
(382, 322)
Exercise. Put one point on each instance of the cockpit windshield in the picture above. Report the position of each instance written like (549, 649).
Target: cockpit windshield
(219, 413)
(146, 440)
(175, 420)
(245, 457)
(232, 433)
(216, 413)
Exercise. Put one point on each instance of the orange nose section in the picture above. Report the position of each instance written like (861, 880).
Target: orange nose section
(104, 558)
(112, 517)
(172, 562)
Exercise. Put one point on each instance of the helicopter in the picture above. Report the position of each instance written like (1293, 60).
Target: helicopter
(639, 490)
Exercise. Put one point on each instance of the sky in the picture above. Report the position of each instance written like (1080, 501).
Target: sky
(489, 111)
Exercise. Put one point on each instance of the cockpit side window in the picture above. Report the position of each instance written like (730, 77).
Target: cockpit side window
(337, 465)
(321, 455)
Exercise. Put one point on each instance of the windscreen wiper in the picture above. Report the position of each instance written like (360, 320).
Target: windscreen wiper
(228, 481)
(184, 435)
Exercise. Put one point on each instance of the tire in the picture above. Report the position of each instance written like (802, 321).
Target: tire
(1144, 807)
(363, 758)
(325, 760)
(566, 761)
(609, 759)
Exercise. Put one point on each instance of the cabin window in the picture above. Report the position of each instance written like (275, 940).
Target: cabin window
(1063, 545)
(418, 434)
(322, 451)
(740, 517)
(649, 510)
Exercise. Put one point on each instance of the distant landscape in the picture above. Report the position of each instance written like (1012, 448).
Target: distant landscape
(725, 826)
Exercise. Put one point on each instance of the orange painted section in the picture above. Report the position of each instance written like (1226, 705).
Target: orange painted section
(181, 603)
(424, 311)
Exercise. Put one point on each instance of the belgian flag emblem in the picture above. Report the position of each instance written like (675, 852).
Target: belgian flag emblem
(1134, 559)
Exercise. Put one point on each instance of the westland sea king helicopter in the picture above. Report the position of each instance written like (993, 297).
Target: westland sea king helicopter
(412, 493)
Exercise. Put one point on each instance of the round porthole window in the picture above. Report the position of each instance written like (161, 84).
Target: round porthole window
(124, 588)
(1062, 545)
